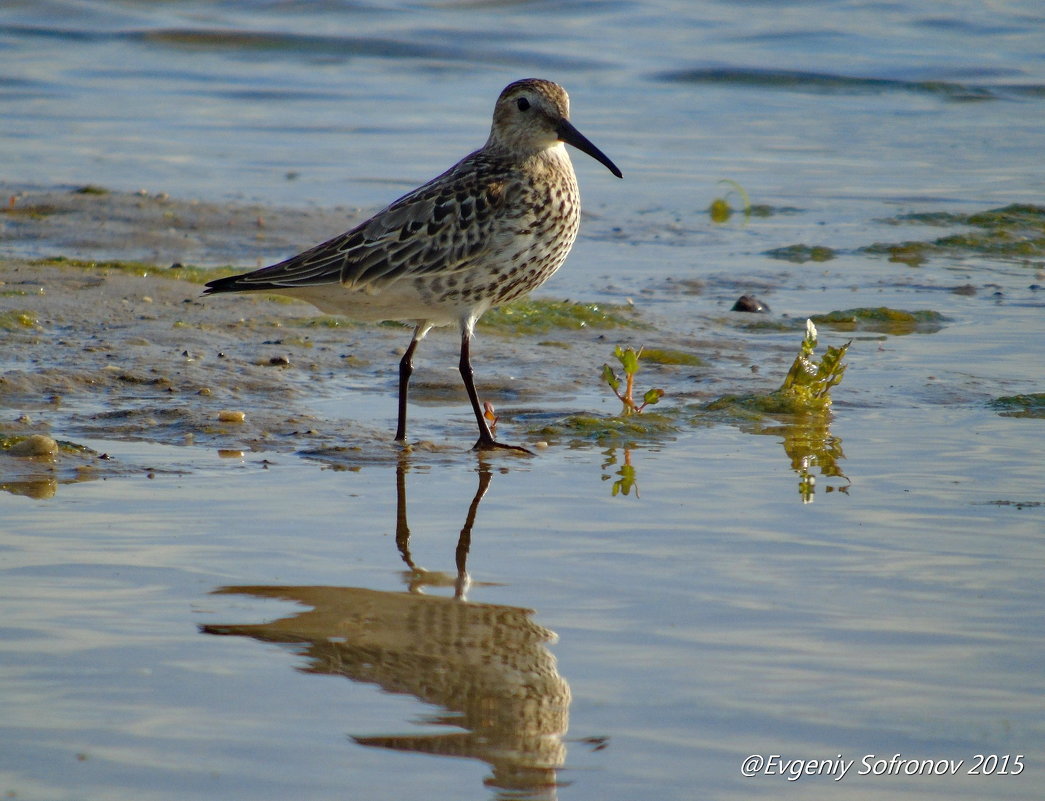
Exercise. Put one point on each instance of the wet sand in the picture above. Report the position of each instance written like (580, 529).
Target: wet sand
(126, 351)
(107, 338)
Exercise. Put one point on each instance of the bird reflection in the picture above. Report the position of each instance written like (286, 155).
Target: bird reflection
(486, 665)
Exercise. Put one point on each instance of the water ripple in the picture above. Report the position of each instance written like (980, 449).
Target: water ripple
(454, 47)
(828, 83)
(344, 47)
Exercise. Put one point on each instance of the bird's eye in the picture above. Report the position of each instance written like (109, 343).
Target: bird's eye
(522, 103)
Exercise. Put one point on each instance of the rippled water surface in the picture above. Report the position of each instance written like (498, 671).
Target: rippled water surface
(211, 614)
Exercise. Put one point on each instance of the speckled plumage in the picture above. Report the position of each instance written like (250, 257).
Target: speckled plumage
(490, 229)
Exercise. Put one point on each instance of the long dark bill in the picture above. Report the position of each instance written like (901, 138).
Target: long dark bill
(571, 136)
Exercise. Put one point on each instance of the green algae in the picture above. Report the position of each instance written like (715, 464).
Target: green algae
(913, 254)
(877, 319)
(720, 211)
(800, 254)
(180, 272)
(18, 320)
(882, 319)
(650, 426)
(1015, 232)
(35, 211)
(532, 316)
(670, 356)
(138, 268)
(1025, 405)
(1015, 215)
(760, 323)
(527, 316)
(997, 243)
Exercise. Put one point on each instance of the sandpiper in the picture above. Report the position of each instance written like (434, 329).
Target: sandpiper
(487, 231)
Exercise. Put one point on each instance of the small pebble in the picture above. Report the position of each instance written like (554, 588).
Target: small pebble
(228, 416)
(749, 303)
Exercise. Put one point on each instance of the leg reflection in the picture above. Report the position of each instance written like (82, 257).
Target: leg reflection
(418, 577)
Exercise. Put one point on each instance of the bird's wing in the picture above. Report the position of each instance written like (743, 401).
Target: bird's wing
(444, 226)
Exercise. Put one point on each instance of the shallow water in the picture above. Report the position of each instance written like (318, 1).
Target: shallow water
(267, 610)
(897, 617)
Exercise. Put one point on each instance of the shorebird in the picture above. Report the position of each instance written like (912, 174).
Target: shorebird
(487, 231)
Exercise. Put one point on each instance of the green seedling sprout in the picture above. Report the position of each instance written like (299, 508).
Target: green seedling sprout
(629, 361)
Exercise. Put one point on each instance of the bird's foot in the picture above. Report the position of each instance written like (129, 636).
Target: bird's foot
(490, 444)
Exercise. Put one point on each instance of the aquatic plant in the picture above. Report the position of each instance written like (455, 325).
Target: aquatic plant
(629, 361)
(1014, 233)
(808, 383)
(720, 210)
(800, 406)
(806, 388)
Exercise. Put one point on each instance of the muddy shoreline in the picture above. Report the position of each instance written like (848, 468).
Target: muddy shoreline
(107, 338)
(127, 351)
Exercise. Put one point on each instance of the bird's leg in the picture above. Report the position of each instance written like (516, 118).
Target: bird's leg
(406, 368)
(486, 441)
